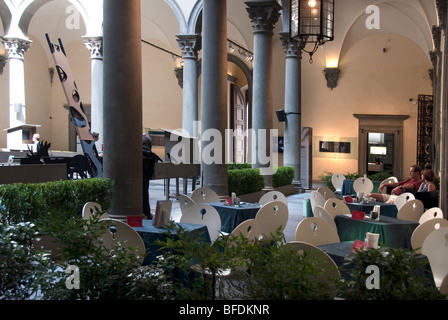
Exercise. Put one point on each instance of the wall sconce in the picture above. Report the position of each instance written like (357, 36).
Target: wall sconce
(332, 75)
(3, 60)
(51, 71)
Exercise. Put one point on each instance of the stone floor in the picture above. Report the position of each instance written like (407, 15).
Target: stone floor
(295, 204)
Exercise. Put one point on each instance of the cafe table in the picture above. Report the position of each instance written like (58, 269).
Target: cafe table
(386, 209)
(151, 234)
(394, 233)
(341, 250)
(233, 215)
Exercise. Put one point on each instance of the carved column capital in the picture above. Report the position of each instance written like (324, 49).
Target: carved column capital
(190, 45)
(16, 47)
(263, 15)
(95, 45)
(292, 48)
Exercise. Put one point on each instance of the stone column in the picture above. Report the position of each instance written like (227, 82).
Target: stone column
(214, 96)
(190, 45)
(16, 48)
(95, 46)
(123, 106)
(293, 106)
(263, 15)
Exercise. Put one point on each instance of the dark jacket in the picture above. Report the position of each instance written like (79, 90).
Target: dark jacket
(149, 160)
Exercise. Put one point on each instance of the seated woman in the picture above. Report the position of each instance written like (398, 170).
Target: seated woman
(428, 185)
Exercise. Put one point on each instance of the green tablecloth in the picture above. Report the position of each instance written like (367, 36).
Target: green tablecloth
(232, 216)
(394, 233)
(151, 235)
(387, 209)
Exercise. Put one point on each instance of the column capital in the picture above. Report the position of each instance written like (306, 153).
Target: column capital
(95, 45)
(263, 14)
(292, 48)
(190, 45)
(16, 47)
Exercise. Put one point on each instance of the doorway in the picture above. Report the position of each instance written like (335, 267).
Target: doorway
(380, 131)
(238, 121)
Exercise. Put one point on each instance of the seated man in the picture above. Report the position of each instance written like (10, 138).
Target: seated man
(413, 183)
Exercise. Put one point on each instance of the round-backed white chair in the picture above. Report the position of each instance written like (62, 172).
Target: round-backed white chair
(388, 180)
(185, 202)
(316, 231)
(336, 206)
(327, 264)
(271, 217)
(272, 196)
(204, 195)
(402, 199)
(201, 213)
(326, 192)
(412, 210)
(320, 212)
(337, 180)
(432, 213)
(249, 229)
(316, 199)
(121, 232)
(363, 185)
(423, 230)
(92, 208)
(435, 248)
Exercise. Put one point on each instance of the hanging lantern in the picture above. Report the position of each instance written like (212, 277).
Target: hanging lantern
(312, 21)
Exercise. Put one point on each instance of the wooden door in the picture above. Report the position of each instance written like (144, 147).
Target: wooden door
(239, 124)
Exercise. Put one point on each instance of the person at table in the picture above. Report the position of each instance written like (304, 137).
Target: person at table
(428, 177)
(412, 183)
(149, 161)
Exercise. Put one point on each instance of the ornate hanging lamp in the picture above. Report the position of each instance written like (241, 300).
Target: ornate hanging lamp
(312, 22)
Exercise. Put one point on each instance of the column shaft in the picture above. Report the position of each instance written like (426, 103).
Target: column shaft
(214, 95)
(123, 106)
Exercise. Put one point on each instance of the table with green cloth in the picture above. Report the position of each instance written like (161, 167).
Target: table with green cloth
(394, 233)
(386, 209)
(347, 187)
(339, 251)
(233, 215)
(151, 235)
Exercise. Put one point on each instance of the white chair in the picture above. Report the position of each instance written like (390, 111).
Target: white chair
(326, 192)
(204, 195)
(435, 248)
(336, 206)
(402, 199)
(363, 185)
(271, 217)
(185, 202)
(316, 231)
(249, 229)
(388, 180)
(316, 199)
(423, 230)
(272, 196)
(411, 210)
(326, 263)
(121, 232)
(92, 208)
(432, 213)
(204, 214)
(337, 180)
(320, 212)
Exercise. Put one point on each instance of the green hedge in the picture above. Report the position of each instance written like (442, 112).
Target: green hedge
(27, 202)
(243, 179)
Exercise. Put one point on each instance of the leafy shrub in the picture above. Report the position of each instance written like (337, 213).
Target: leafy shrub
(283, 176)
(27, 202)
(244, 181)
